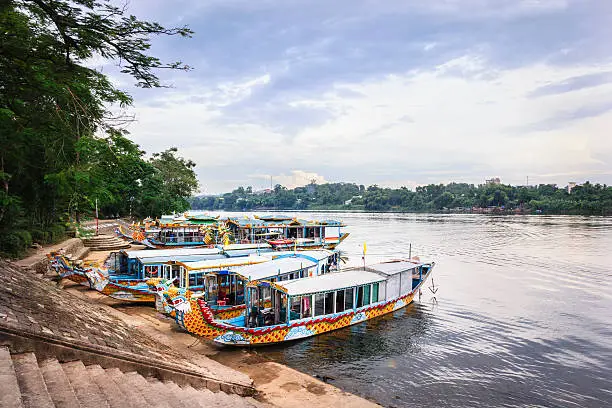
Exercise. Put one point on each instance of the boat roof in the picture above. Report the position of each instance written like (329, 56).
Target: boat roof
(314, 255)
(202, 217)
(274, 267)
(281, 222)
(182, 258)
(223, 263)
(171, 253)
(238, 247)
(272, 217)
(330, 281)
(393, 267)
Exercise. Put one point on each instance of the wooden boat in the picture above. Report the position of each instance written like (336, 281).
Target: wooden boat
(305, 307)
(174, 231)
(124, 274)
(286, 233)
(224, 289)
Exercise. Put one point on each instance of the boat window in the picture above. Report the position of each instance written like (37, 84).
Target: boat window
(366, 295)
(152, 271)
(319, 302)
(340, 301)
(306, 309)
(375, 292)
(348, 299)
(329, 303)
(296, 313)
(359, 302)
(266, 293)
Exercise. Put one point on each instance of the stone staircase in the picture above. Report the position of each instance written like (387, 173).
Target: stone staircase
(26, 382)
(105, 243)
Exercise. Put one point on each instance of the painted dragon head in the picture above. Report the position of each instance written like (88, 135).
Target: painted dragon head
(177, 299)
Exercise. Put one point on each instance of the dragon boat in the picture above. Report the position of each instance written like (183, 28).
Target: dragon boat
(124, 274)
(176, 231)
(289, 310)
(287, 233)
(224, 289)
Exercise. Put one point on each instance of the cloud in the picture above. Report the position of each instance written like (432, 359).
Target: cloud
(296, 178)
(573, 84)
(384, 92)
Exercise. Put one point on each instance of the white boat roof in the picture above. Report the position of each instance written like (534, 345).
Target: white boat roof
(393, 267)
(318, 254)
(182, 258)
(237, 247)
(330, 281)
(273, 268)
(171, 253)
(224, 263)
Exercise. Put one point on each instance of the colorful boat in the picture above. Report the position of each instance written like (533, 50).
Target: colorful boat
(286, 233)
(305, 307)
(124, 274)
(174, 231)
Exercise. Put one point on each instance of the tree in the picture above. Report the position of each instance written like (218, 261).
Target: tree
(50, 101)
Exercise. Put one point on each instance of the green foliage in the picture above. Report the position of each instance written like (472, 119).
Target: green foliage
(60, 148)
(454, 197)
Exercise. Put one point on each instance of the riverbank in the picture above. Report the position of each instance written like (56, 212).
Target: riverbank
(276, 384)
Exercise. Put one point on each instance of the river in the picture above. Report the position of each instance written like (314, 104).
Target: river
(521, 316)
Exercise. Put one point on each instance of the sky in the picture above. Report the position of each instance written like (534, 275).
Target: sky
(394, 93)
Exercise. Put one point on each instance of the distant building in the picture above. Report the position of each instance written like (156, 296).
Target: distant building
(264, 191)
(570, 186)
(495, 180)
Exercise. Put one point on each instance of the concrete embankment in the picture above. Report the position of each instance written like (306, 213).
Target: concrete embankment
(58, 324)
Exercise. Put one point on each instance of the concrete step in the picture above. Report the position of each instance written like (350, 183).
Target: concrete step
(105, 242)
(115, 397)
(139, 383)
(86, 390)
(59, 387)
(133, 397)
(232, 400)
(32, 386)
(177, 393)
(10, 394)
(164, 395)
(200, 399)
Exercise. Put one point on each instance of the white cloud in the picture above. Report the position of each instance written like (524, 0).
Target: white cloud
(460, 121)
(296, 178)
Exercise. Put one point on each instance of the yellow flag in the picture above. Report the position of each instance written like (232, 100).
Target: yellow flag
(365, 248)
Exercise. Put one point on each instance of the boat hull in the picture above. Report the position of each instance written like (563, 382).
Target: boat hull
(137, 294)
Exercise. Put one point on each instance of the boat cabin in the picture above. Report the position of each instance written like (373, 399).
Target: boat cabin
(277, 229)
(226, 288)
(312, 298)
(211, 276)
(146, 264)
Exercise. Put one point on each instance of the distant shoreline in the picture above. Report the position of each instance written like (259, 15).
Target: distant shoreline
(356, 211)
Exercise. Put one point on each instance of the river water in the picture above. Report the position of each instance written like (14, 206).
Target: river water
(522, 315)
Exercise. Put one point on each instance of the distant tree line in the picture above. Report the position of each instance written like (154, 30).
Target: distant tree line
(588, 199)
(62, 147)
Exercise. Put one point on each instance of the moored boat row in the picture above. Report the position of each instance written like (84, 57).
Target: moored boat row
(280, 232)
(252, 292)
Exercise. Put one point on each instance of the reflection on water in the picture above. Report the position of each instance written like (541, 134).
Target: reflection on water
(522, 318)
